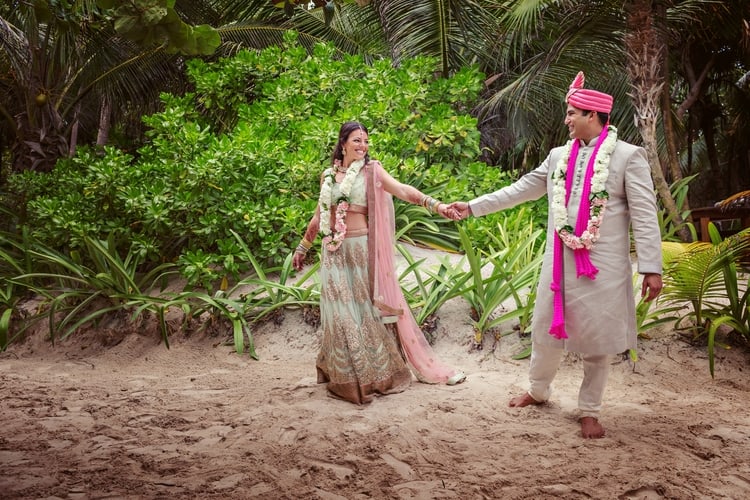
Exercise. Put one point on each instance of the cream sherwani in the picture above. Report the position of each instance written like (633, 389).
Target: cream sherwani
(600, 313)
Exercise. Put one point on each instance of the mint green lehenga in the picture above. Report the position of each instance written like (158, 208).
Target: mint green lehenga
(360, 357)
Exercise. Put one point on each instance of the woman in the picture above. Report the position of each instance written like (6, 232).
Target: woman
(359, 357)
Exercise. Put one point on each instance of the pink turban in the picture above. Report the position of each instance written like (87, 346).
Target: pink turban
(586, 99)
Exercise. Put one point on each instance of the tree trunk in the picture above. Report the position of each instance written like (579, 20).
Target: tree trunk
(645, 74)
(105, 122)
(74, 133)
(670, 138)
(718, 173)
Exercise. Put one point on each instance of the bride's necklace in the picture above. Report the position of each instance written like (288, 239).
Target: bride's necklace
(598, 194)
(332, 240)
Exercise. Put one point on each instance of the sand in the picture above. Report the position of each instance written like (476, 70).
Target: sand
(113, 413)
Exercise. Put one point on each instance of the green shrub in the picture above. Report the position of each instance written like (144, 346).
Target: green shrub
(244, 151)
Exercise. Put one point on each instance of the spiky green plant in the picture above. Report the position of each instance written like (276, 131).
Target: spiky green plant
(76, 293)
(514, 274)
(427, 294)
(709, 277)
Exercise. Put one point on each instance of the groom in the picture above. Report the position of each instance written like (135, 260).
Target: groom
(598, 189)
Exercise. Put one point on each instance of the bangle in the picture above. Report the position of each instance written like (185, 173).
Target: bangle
(304, 246)
(429, 203)
(433, 204)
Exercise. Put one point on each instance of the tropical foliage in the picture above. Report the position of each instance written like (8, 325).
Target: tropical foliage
(710, 277)
(507, 270)
(182, 184)
(216, 167)
(695, 96)
(697, 72)
(244, 152)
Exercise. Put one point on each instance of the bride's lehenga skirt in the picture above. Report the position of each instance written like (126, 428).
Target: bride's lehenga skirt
(359, 357)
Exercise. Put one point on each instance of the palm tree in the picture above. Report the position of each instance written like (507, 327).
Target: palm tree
(547, 43)
(70, 70)
(644, 68)
(77, 69)
(538, 51)
(709, 56)
(454, 31)
(59, 67)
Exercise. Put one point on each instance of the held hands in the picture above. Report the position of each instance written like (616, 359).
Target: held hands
(437, 207)
(458, 210)
(455, 211)
(446, 211)
(461, 208)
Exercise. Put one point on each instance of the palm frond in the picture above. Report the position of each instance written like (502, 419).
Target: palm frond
(540, 49)
(353, 30)
(15, 47)
(737, 199)
(453, 31)
(696, 274)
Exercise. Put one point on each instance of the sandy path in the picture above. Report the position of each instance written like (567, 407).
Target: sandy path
(136, 420)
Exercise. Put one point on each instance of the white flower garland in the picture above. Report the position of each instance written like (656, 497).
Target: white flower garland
(333, 239)
(598, 196)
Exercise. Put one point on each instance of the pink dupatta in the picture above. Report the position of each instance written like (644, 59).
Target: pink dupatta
(386, 291)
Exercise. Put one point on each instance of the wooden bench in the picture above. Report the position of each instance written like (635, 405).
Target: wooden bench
(721, 217)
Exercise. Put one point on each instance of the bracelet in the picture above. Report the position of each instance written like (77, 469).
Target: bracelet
(304, 246)
(429, 203)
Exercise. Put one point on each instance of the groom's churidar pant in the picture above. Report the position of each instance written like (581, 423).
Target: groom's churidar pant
(545, 360)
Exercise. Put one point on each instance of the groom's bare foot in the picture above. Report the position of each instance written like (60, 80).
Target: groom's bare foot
(591, 428)
(523, 400)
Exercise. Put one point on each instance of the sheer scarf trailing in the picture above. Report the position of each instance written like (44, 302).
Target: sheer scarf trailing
(386, 291)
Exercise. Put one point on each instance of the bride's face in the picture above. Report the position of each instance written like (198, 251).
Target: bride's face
(356, 146)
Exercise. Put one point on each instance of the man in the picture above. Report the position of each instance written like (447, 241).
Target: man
(598, 188)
